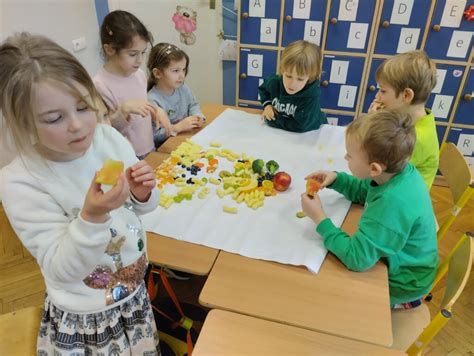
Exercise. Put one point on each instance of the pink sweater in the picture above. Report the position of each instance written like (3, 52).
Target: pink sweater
(115, 90)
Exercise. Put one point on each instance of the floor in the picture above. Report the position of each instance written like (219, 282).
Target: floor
(457, 338)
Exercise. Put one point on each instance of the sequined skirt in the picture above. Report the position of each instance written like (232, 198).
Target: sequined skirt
(128, 329)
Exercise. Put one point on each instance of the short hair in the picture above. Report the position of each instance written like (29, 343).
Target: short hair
(120, 27)
(26, 61)
(303, 56)
(410, 70)
(161, 55)
(387, 136)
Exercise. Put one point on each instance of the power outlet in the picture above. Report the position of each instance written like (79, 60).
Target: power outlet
(79, 44)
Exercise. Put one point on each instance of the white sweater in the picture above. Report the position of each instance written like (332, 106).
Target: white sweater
(43, 200)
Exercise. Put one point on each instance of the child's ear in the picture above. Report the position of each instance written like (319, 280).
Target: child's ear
(109, 50)
(376, 169)
(408, 95)
(156, 73)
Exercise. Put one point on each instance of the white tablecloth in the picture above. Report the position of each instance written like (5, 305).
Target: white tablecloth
(272, 232)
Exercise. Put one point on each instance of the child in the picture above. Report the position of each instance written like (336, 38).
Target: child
(291, 100)
(397, 224)
(406, 81)
(121, 82)
(88, 241)
(168, 66)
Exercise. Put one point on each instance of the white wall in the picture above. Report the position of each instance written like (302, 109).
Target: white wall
(60, 20)
(205, 71)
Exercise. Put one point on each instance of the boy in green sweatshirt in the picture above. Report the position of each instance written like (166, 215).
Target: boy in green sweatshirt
(291, 100)
(406, 81)
(397, 224)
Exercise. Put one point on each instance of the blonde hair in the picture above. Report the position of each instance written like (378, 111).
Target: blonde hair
(303, 56)
(410, 70)
(30, 59)
(387, 136)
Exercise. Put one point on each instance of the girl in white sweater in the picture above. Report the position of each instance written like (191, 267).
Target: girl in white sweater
(87, 239)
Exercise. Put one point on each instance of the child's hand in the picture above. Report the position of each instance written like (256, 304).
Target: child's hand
(313, 208)
(374, 106)
(98, 204)
(187, 124)
(140, 107)
(163, 120)
(141, 180)
(324, 177)
(268, 113)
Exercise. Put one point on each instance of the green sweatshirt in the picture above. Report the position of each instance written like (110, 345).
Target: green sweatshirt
(425, 155)
(298, 112)
(397, 225)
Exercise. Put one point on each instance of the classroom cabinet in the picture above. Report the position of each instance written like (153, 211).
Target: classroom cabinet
(302, 19)
(255, 65)
(442, 97)
(450, 35)
(356, 37)
(400, 30)
(340, 81)
(349, 25)
(465, 111)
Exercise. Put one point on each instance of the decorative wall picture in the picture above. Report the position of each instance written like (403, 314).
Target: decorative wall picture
(185, 22)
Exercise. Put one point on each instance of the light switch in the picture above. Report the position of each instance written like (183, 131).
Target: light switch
(79, 44)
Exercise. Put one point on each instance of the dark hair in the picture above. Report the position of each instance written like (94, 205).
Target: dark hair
(161, 56)
(120, 27)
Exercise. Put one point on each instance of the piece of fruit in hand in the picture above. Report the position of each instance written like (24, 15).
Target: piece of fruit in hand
(109, 172)
(312, 187)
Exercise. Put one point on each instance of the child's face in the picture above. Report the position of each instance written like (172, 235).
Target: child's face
(389, 98)
(173, 76)
(128, 60)
(356, 158)
(293, 82)
(64, 122)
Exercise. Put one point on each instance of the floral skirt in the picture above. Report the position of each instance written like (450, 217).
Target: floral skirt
(128, 329)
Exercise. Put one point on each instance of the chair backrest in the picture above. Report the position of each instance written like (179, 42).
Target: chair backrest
(458, 176)
(454, 169)
(459, 269)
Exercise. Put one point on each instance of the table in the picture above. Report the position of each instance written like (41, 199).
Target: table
(226, 333)
(335, 301)
(176, 254)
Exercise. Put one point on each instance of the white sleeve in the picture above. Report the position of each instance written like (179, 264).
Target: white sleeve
(66, 248)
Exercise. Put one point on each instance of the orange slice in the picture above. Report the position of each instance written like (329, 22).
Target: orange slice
(312, 187)
(110, 172)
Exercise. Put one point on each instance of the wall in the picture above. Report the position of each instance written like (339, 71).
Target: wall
(61, 20)
(205, 72)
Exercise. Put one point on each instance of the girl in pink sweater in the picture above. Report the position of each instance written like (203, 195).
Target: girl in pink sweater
(121, 82)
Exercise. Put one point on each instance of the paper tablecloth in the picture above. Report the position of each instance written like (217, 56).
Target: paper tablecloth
(272, 232)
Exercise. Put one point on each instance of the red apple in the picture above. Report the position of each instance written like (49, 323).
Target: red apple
(281, 181)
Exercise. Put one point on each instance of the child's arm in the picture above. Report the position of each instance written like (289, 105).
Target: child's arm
(193, 106)
(163, 121)
(66, 248)
(352, 188)
(366, 246)
(308, 116)
(266, 99)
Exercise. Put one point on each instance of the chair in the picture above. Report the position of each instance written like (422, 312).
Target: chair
(412, 328)
(458, 175)
(19, 331)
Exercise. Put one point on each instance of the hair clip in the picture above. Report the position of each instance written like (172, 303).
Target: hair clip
(109, 31)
